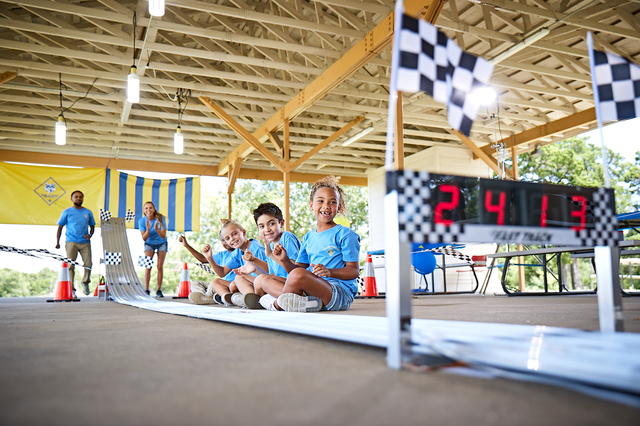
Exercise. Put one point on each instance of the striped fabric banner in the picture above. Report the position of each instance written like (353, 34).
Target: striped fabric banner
(177, 199)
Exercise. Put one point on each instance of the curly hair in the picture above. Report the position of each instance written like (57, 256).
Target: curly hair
(331, 182)
(267, 208)
(230, 223)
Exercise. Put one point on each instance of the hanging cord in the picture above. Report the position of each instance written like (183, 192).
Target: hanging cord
(135, 29)
(182, 95)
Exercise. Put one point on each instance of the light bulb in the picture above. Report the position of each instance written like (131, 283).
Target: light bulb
(133, 87)
(61, 131)
(178, 141)
(156, 7)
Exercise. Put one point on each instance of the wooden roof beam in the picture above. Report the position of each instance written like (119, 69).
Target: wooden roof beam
(373, 43)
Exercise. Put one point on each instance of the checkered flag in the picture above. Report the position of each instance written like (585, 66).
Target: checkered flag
(431, 62)
(616, 83)
(105, 215)
(145, 262)
(112, 258)
(130, 215)
(205, 267)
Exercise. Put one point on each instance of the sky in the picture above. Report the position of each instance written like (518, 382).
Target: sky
(622, 137)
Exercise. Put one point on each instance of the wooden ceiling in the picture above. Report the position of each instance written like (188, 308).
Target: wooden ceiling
(266, 63)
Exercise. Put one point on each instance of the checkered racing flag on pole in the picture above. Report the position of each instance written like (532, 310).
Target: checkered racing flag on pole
(130, 215)
(431, 62)
(112, 258)
(618, 84)
(145, 262)
(105, 215)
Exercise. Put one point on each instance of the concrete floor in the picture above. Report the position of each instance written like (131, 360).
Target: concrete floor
(100, 363)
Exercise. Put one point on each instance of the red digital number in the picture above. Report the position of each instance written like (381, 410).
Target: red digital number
(492, 208)
(543, 214)
(582, 213)
(447, 205)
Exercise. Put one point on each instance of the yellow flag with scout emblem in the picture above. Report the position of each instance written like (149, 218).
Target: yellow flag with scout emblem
(37, 195)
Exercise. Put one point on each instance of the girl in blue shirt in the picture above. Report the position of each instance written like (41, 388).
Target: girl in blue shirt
(324, 274)
(153, 228)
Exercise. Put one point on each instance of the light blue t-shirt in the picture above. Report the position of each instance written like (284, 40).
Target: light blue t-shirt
(331, 248)
(236, 260)
(291, 244)
(154, 238)
(77, 222)
(221, 259)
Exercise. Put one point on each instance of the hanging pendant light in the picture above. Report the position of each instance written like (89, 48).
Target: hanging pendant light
(133, 87)
(156, 7)
(61, 131)
(178, 142)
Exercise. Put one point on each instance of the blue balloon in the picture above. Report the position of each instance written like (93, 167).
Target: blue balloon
(424, 262)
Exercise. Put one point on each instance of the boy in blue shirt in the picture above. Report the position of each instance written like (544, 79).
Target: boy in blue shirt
(80, 227)
(324, 274)
(236, 237)
(269, 286)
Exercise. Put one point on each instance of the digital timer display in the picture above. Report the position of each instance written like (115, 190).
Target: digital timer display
(456, 199)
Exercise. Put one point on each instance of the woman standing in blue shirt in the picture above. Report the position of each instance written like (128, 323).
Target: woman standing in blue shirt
(153, 228)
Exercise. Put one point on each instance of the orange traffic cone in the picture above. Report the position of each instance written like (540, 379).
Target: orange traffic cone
(370, 287)
(63, 292)
(99, 289)
(185, 283)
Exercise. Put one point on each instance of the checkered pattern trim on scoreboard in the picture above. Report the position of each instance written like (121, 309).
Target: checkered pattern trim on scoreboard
(105, 215)
(145, 262)
(112, 258)
(606, 225)
(414, 209)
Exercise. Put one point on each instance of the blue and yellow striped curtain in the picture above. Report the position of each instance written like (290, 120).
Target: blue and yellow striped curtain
(177, 199)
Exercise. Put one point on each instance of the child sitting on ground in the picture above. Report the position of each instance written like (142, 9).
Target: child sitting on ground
(201, 291)
(331, 254)
(269, 220)
(236, 237)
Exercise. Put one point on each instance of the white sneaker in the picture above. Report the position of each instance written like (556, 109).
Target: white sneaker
(200, 299)
(266, 302)
(237, 299)
(292, 302)
(218, 299)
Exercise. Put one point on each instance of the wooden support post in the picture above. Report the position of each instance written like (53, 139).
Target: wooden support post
(285, 145)
(287, 208)
(398, 144)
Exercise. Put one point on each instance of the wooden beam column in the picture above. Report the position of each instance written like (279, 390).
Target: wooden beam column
(286, 177)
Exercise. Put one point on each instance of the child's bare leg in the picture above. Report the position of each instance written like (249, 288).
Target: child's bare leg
(220, 286)
(272, 284)
(302, 281)
(244, 283)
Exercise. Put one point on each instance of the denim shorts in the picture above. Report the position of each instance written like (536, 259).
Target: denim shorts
(341, 299)
(155, 247)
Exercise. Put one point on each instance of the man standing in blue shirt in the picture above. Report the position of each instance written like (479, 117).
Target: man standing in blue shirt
(80, 227)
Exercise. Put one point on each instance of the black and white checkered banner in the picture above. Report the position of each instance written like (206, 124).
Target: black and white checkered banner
(130, 215)
(415, 221)
(618, 84)
(205, 267)
(105, 215)
(432, 63)
(450, 251)
(41, 253)
(112, 258)
(145, 262)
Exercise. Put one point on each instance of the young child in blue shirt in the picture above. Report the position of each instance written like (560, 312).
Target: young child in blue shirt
(324, 274)
(236, 237)
(201, 291)
(270, 221)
